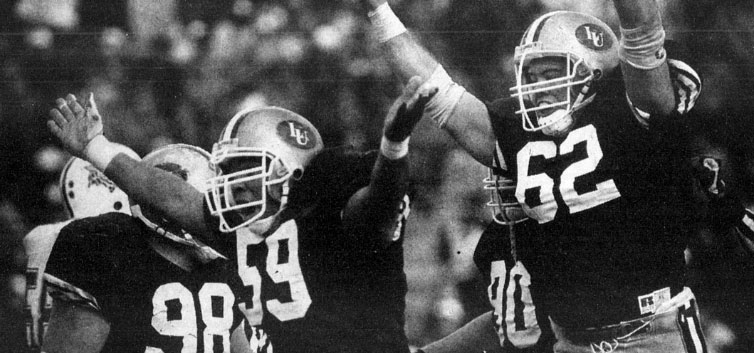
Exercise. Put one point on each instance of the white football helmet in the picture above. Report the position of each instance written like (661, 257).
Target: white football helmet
(590, 51)
(191, 164)
(87, 192)
(278, 143)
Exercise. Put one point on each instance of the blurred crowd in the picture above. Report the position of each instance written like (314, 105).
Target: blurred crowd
(176, 71)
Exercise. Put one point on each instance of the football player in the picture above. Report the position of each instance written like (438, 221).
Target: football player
(515, 324)
(123, 283)
(316, 233)
(599, 164)
(86, 192)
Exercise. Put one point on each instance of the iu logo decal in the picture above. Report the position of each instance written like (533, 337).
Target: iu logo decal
(593, 37)
(296, 134)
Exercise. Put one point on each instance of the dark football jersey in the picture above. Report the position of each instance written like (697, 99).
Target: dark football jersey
(521, 325)
(612, 199)
(314, 287)
(152, 305)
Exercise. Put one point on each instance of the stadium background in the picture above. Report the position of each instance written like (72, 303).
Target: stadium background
(175, 71)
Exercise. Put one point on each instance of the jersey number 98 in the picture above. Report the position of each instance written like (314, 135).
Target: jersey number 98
(186, 325)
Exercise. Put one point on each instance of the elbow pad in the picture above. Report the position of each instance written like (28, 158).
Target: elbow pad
(449, 93)
(642, 47)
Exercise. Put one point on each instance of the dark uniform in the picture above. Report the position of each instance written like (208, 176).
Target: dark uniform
(612, 199)
(313, 286)
(152, 305)
(521, 325)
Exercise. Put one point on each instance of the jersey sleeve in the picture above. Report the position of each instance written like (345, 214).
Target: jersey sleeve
(85, 263)
(687, 85)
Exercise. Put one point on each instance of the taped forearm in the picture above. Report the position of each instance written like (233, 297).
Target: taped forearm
(642, 46)
(440, 108)
(385, 23)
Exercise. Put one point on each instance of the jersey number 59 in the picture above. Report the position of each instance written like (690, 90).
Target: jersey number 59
(287, 272)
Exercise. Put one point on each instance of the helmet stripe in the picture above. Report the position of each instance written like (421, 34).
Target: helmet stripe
(534, 35)
(229, 133)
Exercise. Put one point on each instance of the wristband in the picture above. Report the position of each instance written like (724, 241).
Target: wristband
(100, 152)
(394, 150)
(386, 24)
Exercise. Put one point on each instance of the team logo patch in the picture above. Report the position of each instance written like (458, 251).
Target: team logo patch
(297, 134)
(96, 178)
(593, 37)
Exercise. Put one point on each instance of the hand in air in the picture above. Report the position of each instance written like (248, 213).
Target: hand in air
(75, 126)
(407, 110)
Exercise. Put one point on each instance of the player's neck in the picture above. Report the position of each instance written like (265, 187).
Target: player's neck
(174, 253)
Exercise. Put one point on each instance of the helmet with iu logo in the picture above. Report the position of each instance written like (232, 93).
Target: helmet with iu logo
(87, 192)
(278, 144)
(590, 51)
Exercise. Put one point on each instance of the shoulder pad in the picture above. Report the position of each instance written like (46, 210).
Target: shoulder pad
(87, 257)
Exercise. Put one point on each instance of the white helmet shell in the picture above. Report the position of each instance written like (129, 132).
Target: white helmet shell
(87, 192)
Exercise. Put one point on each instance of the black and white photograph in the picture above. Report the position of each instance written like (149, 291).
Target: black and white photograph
(376, 176)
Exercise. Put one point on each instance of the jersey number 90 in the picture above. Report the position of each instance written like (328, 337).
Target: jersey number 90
(514, 311)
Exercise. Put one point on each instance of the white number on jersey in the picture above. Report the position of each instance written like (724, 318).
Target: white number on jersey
(545, 212)
(187, 326)
(514, 311)
(289, 272)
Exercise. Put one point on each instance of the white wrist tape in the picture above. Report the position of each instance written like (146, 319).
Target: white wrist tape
(394, 150)
(449, 93)
(642, 47)
(100, 152)
(386, 24)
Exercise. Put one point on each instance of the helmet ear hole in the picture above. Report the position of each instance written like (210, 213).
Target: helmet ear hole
(297, 174)
(597, 74)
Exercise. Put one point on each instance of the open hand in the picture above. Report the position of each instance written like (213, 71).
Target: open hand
(408, 109)
(75, 126)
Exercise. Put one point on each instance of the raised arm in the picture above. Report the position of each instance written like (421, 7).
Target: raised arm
(376, 208)
(460, 113)
(80, 131)
(643, 58)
